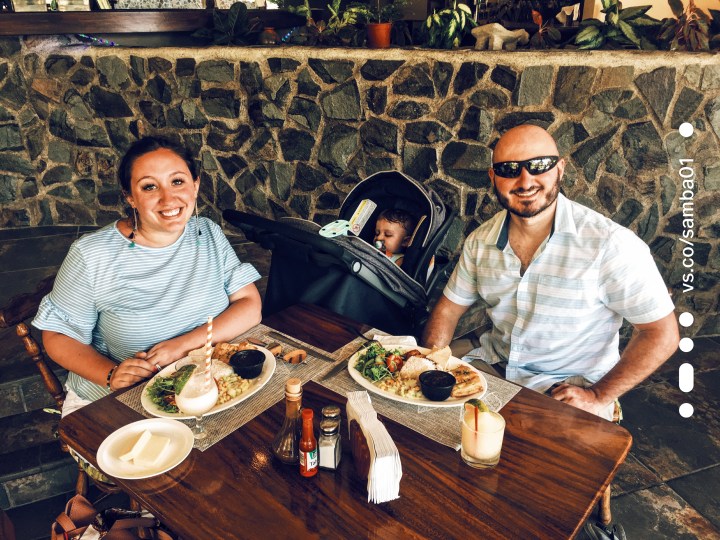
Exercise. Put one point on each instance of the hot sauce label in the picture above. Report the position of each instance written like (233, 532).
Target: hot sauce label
(308, 460)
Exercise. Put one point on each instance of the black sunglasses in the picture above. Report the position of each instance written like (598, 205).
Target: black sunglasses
(535, 166)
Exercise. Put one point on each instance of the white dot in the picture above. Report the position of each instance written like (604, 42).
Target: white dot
(686, 319)
(686, 410)
(686, 129)
(686, 344)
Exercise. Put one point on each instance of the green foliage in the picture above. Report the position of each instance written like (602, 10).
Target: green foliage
(378, 11)
(232, 27)
(302, 9)
(341, 28)
(445, 29)
(622, 28)
(689, 30)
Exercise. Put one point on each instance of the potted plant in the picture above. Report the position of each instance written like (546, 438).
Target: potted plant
(688, 30)
(342, 26)
(445, 29)
(231, 27)
(379, 17)
(622, 28)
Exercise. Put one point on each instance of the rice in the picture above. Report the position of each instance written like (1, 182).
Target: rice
(414, 366)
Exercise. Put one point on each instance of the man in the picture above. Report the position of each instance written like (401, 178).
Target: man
(557, 279)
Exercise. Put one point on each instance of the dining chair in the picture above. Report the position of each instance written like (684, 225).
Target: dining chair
(15, 313)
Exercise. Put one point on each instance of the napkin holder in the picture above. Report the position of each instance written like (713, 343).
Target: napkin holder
(360, 450)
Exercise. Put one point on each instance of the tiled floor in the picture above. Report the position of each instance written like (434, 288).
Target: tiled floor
(669, 487)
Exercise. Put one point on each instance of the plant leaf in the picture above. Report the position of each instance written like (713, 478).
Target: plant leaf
(465, 8)
(646, 21)
(677, 7)
(632, 12)
(587, 34)
(629, 33)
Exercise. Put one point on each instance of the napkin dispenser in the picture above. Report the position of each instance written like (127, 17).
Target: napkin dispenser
(375, 455)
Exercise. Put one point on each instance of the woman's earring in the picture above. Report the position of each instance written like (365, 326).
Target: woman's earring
(197, 223)
(134, 229)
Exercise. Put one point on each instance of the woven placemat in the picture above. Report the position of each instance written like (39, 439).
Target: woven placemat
(441, 424)
(219, 425)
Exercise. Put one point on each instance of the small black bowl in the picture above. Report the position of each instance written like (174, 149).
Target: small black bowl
(248, 363)
(436, 385)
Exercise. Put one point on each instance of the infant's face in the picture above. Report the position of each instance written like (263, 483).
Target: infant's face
(391, 234)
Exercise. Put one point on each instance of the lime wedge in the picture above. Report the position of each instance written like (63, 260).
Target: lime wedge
(477, 404)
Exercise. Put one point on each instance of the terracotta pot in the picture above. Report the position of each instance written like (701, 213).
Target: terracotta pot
(378, 35)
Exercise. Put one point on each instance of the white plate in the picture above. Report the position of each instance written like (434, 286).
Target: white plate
(122, 440)
(256, 384)
(449, 402)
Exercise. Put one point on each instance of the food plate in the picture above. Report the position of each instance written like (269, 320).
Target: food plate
(423, 401)
(122, 440)
(255, 386)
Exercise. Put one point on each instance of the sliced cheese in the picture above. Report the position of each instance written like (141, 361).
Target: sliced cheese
(152, 452)
(137, 447)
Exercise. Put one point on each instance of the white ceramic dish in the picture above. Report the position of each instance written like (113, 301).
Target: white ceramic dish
(122, 440)
(256, 384)
(423, 401)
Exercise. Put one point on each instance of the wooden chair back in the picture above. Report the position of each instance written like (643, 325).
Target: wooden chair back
(19, 309)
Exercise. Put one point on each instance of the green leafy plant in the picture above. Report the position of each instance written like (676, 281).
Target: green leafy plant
(621, 28)
(342, 26)
(445, 29)
(378, 11)
(233, 27)
(689, 30)
(301, 9)
(308, 34)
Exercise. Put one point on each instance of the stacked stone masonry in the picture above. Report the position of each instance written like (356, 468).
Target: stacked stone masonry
(289, 131)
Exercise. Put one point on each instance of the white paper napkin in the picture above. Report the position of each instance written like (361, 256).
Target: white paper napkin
(390, 342)
(385, 468)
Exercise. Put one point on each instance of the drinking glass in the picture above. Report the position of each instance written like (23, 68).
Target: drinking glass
(482, 438)
(197, 398)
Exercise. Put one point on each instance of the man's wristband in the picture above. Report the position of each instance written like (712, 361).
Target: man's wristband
(109, 376)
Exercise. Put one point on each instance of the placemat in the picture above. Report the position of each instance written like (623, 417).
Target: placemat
(223, 423)
(441, 424)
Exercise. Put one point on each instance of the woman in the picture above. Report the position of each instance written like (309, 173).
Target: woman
(135, 295)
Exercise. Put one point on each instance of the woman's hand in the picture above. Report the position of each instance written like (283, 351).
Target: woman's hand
(132, 370)
(167, 352)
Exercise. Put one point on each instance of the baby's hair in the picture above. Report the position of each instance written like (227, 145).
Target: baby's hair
(394, 215)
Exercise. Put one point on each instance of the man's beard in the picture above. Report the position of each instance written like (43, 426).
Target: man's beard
(527, 211)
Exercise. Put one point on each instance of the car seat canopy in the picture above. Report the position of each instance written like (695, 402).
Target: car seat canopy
(396, 190)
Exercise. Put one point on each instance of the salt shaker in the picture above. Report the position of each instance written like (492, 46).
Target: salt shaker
(331, 412)
(329, 443)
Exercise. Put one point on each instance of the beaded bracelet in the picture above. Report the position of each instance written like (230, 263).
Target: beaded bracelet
(109, 376)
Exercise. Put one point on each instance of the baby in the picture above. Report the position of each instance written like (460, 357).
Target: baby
(393, 233)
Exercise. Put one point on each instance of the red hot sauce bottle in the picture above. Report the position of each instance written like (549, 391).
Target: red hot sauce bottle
(308, 446)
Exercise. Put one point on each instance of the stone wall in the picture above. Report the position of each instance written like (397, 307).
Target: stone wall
(289, 131)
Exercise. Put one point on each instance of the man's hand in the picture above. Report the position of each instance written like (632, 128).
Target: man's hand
(582, 398)
(441, 325)
(649, 347)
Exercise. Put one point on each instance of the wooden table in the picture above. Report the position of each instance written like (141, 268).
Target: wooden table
(555, 464)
